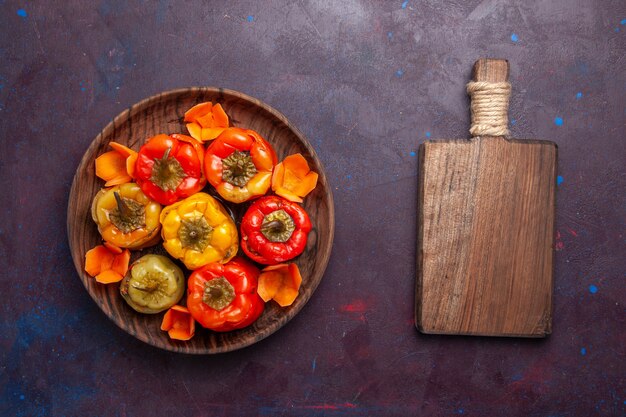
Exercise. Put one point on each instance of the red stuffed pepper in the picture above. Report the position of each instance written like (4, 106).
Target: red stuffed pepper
(223, 297)
(169, 168)
(274, 230)
(239, 164)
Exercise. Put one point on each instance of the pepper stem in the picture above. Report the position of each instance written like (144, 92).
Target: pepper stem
(278, 226)
(166, 154)
(273, 227)
(122, 206)
(167, 172)
(218, 293)
(195, 234)
(238, 168)
(129, 214)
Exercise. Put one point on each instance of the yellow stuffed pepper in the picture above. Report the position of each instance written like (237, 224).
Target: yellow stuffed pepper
(198, 231)
(126, 217)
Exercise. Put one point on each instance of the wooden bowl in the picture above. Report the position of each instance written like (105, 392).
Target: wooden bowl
(163, 113)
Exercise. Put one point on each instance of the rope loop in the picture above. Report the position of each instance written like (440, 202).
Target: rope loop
(489, 106)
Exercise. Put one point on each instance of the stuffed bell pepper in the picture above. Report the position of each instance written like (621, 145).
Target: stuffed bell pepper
(274, 230)
(126, 217)
(169, 168)
(198, 231)
(223, 297)
(239, 164)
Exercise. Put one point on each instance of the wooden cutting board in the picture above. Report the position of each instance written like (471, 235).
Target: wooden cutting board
(486, 230)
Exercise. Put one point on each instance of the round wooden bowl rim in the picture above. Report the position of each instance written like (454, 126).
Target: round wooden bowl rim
(323, 260)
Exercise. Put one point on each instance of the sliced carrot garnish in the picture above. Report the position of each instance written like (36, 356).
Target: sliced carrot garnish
(121, 261)
(220, 116)
(206, 121)
(297, 164)
(106, 264)
(109, 277)
(122, 179)
(130, 164)
(110, 165)
(280, 283)
(198, 110)
(209, 133)
(94, 258)
(178, 323)
(306, 185)
(125, 151)
(278, 177)
(269, 285)
(293, 179)
(195, 130)
(285, 193)
(117, 166)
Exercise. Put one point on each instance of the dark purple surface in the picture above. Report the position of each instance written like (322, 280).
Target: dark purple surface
(366, 82)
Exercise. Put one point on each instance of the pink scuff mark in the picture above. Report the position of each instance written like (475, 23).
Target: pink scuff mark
(572, 232)
(357, 306)
(559, 245)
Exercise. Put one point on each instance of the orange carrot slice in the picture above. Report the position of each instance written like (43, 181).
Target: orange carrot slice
(122, 149)
(111, 165)
(178, 323)
(120, 262)
(195, 130)
(285, 193)
(206, 121)
(106, 264)
(122, 179)
(297, 164)
(198, 110)
(293, 179)
(306, 185)
(210, 133)
(280, 283)
(94, 258)
(130, 164)
(109, 277)
(219, 116)
(278, 176)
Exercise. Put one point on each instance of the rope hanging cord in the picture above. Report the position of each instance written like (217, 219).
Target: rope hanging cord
(489, 106)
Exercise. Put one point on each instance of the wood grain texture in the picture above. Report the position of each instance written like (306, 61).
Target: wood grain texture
(486, 233)
(163, 114)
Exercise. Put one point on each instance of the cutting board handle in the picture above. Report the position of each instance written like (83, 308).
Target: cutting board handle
(490, 91)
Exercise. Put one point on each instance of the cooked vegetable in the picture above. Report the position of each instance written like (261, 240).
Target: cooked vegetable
(178, 323)
(198, 231)
(153, 284)
(280, 283)
(126, 217)
(239, 163)
(117, 166)
(293, 179)
(223, 297)
(274, 230)
(169, 168)
(129, 154)
(107, 263)
(206, 121)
